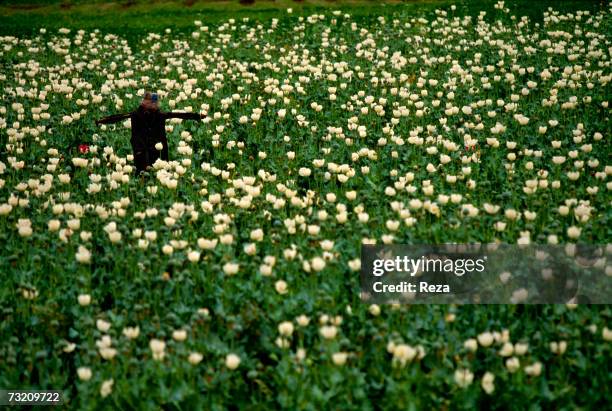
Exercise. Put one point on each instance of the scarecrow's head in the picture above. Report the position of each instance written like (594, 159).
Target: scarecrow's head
(150, 101)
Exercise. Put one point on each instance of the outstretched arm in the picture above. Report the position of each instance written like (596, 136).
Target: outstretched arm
(184, 116)
(113, 119)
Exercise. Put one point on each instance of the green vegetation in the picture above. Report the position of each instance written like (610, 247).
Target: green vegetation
(228, 278)
(133, 17)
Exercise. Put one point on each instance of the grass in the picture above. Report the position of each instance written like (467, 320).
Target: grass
(131, 18)
(142, 16)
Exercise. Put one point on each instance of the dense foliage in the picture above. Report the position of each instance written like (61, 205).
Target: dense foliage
(228, 277)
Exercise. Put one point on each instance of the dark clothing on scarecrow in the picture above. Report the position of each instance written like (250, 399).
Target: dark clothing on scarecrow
(148, 129)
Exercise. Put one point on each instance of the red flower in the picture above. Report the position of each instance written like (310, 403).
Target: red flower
(83, 148)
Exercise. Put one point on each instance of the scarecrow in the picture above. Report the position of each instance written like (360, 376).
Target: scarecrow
(148, 130)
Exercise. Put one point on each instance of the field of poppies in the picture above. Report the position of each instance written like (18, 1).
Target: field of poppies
(228, 277)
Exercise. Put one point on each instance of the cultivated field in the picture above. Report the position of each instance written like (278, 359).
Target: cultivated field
(228, 277)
